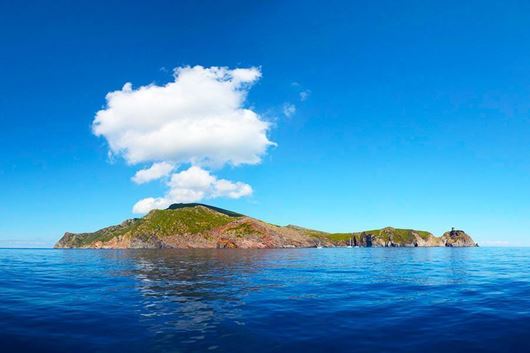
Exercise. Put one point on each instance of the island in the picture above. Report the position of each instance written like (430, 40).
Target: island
(193, 225)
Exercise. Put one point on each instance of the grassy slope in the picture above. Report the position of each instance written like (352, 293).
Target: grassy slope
(183, 220)
(338, 236)
(241, 230)
(105, 234)
(399, 235)
(198, 218)
(177, 206)
(160, 223)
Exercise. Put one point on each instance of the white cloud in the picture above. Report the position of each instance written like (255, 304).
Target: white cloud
(289, 109)
(191, 185)
(197, 118)
(145, 205)
(156, 171)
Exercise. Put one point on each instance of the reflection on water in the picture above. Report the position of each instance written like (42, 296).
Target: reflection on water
(193, 291)
(311, 300)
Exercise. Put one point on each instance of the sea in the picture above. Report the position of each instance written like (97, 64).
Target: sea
(282, 300)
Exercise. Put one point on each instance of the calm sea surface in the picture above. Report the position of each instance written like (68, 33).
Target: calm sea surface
(296, 300)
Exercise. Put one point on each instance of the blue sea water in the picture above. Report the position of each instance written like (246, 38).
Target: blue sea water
(292, 300)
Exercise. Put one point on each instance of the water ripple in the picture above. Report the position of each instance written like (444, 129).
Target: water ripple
(333, 300)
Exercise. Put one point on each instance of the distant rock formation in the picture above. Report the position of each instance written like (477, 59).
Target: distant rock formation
(392, 237)
(204, 226)
(457, 238)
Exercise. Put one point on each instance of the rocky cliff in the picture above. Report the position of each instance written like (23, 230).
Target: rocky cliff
(203, 226)
(457, 238)
(391, 237)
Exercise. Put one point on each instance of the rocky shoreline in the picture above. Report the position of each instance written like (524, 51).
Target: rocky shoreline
(188, 226)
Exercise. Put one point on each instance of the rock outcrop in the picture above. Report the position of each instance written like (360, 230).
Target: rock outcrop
(391, 237)
(203, 226)
(457, 238)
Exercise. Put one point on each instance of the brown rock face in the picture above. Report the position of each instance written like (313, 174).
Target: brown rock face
(457, 238)
(202, 226)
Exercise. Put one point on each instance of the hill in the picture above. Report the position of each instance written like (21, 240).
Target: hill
(202, 226)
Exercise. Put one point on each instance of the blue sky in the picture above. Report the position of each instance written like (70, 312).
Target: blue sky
(416, 113)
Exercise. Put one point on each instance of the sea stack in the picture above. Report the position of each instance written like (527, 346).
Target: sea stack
(457, 238)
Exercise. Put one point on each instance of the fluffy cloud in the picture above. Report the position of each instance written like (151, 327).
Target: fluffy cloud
(156, 171)
(191, 185)
(198, 119)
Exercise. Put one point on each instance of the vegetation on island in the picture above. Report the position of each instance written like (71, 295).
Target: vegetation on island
(203, 226)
